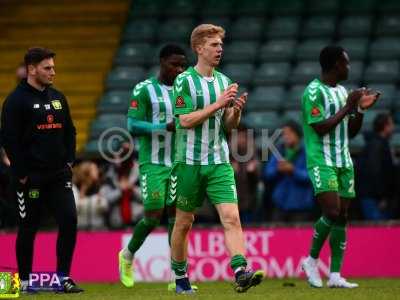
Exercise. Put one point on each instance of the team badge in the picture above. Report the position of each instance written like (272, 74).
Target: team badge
(315, 112)
(180, 102)
(56, 104)
(134, 104)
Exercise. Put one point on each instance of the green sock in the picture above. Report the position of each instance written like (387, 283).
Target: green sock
(179, 267)
(337, 242)
(142, 230)
(171, 223)
(238, 261)
(322, 228)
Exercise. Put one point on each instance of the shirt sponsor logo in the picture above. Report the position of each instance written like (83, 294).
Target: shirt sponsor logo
(56, 104)
(180, 102)
(134, 104)
(49, 126)
(50, 119)
(34, 193)
(315, 112)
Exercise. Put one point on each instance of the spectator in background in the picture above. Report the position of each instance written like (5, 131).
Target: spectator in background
(20, 73)
(246, 168)
(291, 188)
(376, 170)
(91, 206)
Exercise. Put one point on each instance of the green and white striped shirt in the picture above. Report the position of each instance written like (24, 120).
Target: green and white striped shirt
(206, 143)
(151, 101)
(320, 102)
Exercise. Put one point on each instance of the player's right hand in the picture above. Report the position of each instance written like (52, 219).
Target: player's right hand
(354, 97)
(228, 96)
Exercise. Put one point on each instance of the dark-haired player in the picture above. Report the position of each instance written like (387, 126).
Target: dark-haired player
(150, 118)
(330, 117)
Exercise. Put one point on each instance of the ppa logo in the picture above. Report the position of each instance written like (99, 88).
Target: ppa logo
(45, 281)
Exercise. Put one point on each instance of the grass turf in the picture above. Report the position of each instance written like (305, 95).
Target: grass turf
(382, 289)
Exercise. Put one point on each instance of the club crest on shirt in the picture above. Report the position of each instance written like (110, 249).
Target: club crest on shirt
(315, 112)
(56, 104)
(134, 104)
(180, 102)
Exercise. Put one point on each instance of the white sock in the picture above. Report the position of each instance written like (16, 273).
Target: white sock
(334, 276)
(127, 254)
(24, 283)
(313, 260)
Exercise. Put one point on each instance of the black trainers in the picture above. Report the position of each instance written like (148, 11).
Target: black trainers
(183, 286)
(248, 279)
(69, 287)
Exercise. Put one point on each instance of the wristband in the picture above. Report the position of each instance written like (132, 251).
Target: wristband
(360, 110)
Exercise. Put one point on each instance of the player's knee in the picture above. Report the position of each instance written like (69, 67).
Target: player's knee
(184, 224)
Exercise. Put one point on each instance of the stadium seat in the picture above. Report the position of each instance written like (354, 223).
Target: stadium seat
(247, 28)
(355, 26)
(388, 25)
(114, 102)
(105, 122)
(140, 31)
(124, 77)
(304, 72)
(382, 71)
(153, 71)
(261, 120)
(357, 143)
(388, 6)
(369, 118)
(272, 74)
(144, 8)
(277, 50)
(295, 94)
(388, 93)
(155, 59)
(216, 8)
(385, 48)
(240, 52)
(250, 8)
(358, 7)
(356, 48)
(310, 49)
(181, 8)
(293, 7)
(356, 72)
(240, 73)
(224, 22)
(320, 26)
(283, 27)
(266, 98)
(176, 30)
(293, 115)
(323, 7)
(133, 54)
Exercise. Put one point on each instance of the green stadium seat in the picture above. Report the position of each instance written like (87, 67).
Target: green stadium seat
(356, 48)
(251, 8)
(261, 120)
(369, 117)
(140, 31)
(247, 28)
(292, 7)
(358, 7)
(153, 71)
(272, 74)
(382, 71)
(176, 30)
(283, 27)
(355, 26)
(134, 54)
(240, 73)
(155, 59)
(145, 8)
(220, 21)
(243, 52)
(310, 49)
(388, 25)
(125, 77)
(295, 94)
(114, 102)
(293, 115)
(387, 97)
(323, 7)
(385, 48)
(216, 8)
(304, 72)
(277, 50)
(106, 121)
(266, 98)
(388, 6)
(320, 26)
(181, 8)
(356, 71)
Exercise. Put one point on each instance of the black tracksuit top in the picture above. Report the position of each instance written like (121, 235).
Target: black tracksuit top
(37, 132)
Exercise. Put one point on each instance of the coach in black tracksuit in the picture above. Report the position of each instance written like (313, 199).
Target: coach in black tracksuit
(39, 139)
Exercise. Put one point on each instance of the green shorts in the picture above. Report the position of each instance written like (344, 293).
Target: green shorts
(333, 179)
(189, 184)
(154, 181)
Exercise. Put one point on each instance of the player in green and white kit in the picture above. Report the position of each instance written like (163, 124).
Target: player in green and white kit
(150, 118)
(330, 118)
(206, 108)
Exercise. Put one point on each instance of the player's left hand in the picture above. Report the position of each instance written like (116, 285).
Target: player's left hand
(240, 102)
(368, 99)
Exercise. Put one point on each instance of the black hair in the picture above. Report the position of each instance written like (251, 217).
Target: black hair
(329, 56)
(293, 125)
(171, 49)
(380, 122)
(35, 55)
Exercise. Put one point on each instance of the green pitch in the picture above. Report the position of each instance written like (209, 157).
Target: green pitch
(271, 289)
